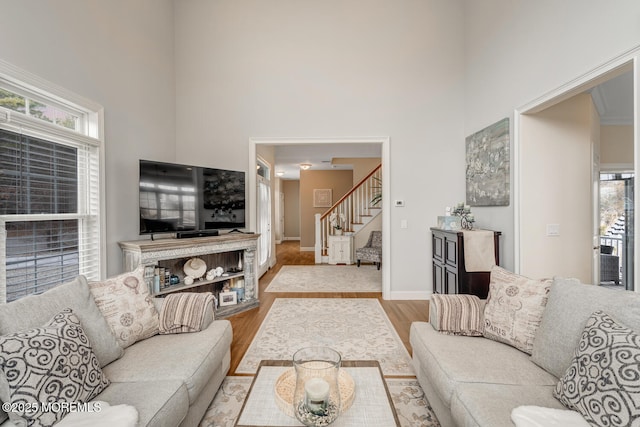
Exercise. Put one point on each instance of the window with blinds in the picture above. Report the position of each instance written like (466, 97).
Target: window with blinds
(49, 201)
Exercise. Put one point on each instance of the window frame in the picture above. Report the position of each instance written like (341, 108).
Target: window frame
(91, 135)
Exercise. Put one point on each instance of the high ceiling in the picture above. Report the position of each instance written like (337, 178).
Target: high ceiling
(613, 100)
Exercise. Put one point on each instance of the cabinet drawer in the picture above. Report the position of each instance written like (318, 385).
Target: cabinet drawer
(438, 278)
(451, 251)
(451, 281)
(437, 246)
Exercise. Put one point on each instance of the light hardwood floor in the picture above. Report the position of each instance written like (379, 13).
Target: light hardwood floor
(245, 325)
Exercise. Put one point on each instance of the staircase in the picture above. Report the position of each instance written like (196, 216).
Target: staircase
(356, 209)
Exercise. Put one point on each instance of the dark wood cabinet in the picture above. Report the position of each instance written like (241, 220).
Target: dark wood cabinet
(449, 273)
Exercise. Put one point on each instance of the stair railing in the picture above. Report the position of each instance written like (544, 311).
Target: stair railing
(354, 205)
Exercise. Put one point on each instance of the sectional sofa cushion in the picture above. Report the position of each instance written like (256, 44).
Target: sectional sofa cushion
(491, 404)
(190, 358)
(34, 310)
(514, 308)
(50, 364)
(125, 302)
(570, 305)
(450, 360)
(602, 380)
(159, 403)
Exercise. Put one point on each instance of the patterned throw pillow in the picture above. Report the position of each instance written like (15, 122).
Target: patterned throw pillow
(53, 365)
(457, 314)
(125, 302)
(603, 381)
(514, 308)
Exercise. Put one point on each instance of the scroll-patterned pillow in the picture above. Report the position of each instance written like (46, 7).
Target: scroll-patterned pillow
(52, 365)
(603, 380)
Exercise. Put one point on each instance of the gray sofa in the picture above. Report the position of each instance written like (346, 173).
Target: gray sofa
(474, 381)
(169, 379)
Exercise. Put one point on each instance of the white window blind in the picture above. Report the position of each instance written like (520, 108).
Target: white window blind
(50, 213)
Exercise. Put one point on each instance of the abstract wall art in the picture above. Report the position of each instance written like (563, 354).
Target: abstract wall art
(488, 166)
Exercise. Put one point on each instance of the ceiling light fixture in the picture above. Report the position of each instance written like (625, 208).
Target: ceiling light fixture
(280, 173)
(305, 166)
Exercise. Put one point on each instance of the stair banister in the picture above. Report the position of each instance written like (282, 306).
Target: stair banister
(354, 204)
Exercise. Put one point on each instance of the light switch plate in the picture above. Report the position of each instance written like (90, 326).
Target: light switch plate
(553, 229)
(398, 203)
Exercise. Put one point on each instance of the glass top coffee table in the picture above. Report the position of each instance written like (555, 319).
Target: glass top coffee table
(372, 405)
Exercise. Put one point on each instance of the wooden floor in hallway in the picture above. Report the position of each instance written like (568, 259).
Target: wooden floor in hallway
(245, 325)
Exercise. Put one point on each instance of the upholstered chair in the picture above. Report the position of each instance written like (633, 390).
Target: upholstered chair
(372, 251)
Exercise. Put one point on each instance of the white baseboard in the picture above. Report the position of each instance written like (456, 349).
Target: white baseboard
(290, 238)
(410, 295)
(309, 249)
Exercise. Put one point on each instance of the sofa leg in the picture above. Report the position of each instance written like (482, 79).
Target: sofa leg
(358, 263)
(378, 265)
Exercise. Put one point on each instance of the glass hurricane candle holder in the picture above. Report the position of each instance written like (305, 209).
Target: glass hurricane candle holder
(316, 399)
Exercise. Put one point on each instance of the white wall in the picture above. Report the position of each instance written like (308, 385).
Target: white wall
(516, 51)
(120, 54)
(332, 68)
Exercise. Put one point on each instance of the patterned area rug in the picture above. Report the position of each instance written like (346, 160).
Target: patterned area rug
(358, 328)
(327, 278)
(411, 405)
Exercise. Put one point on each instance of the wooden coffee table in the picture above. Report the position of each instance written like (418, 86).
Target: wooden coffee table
(372, 406)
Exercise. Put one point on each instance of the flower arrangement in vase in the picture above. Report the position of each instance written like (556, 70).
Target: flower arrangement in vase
(336, 219)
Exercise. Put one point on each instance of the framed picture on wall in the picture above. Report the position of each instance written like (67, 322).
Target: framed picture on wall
(322, 198)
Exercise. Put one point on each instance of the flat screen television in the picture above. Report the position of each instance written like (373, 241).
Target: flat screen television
(180, 198)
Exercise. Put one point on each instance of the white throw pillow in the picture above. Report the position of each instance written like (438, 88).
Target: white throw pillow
(127, 305)
(514, 308)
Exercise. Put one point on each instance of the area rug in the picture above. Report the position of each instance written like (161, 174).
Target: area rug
(326, 278)
(358, 328)
(411, 405)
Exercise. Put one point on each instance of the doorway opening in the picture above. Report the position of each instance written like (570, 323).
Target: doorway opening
(541, 144)
(382, 142)
(616, 230)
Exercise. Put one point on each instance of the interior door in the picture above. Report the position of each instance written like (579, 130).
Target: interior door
(629, 234)
(264, 224)
(595, 181)
(281, 219)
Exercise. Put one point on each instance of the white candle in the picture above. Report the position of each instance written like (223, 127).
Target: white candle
(316, 391)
